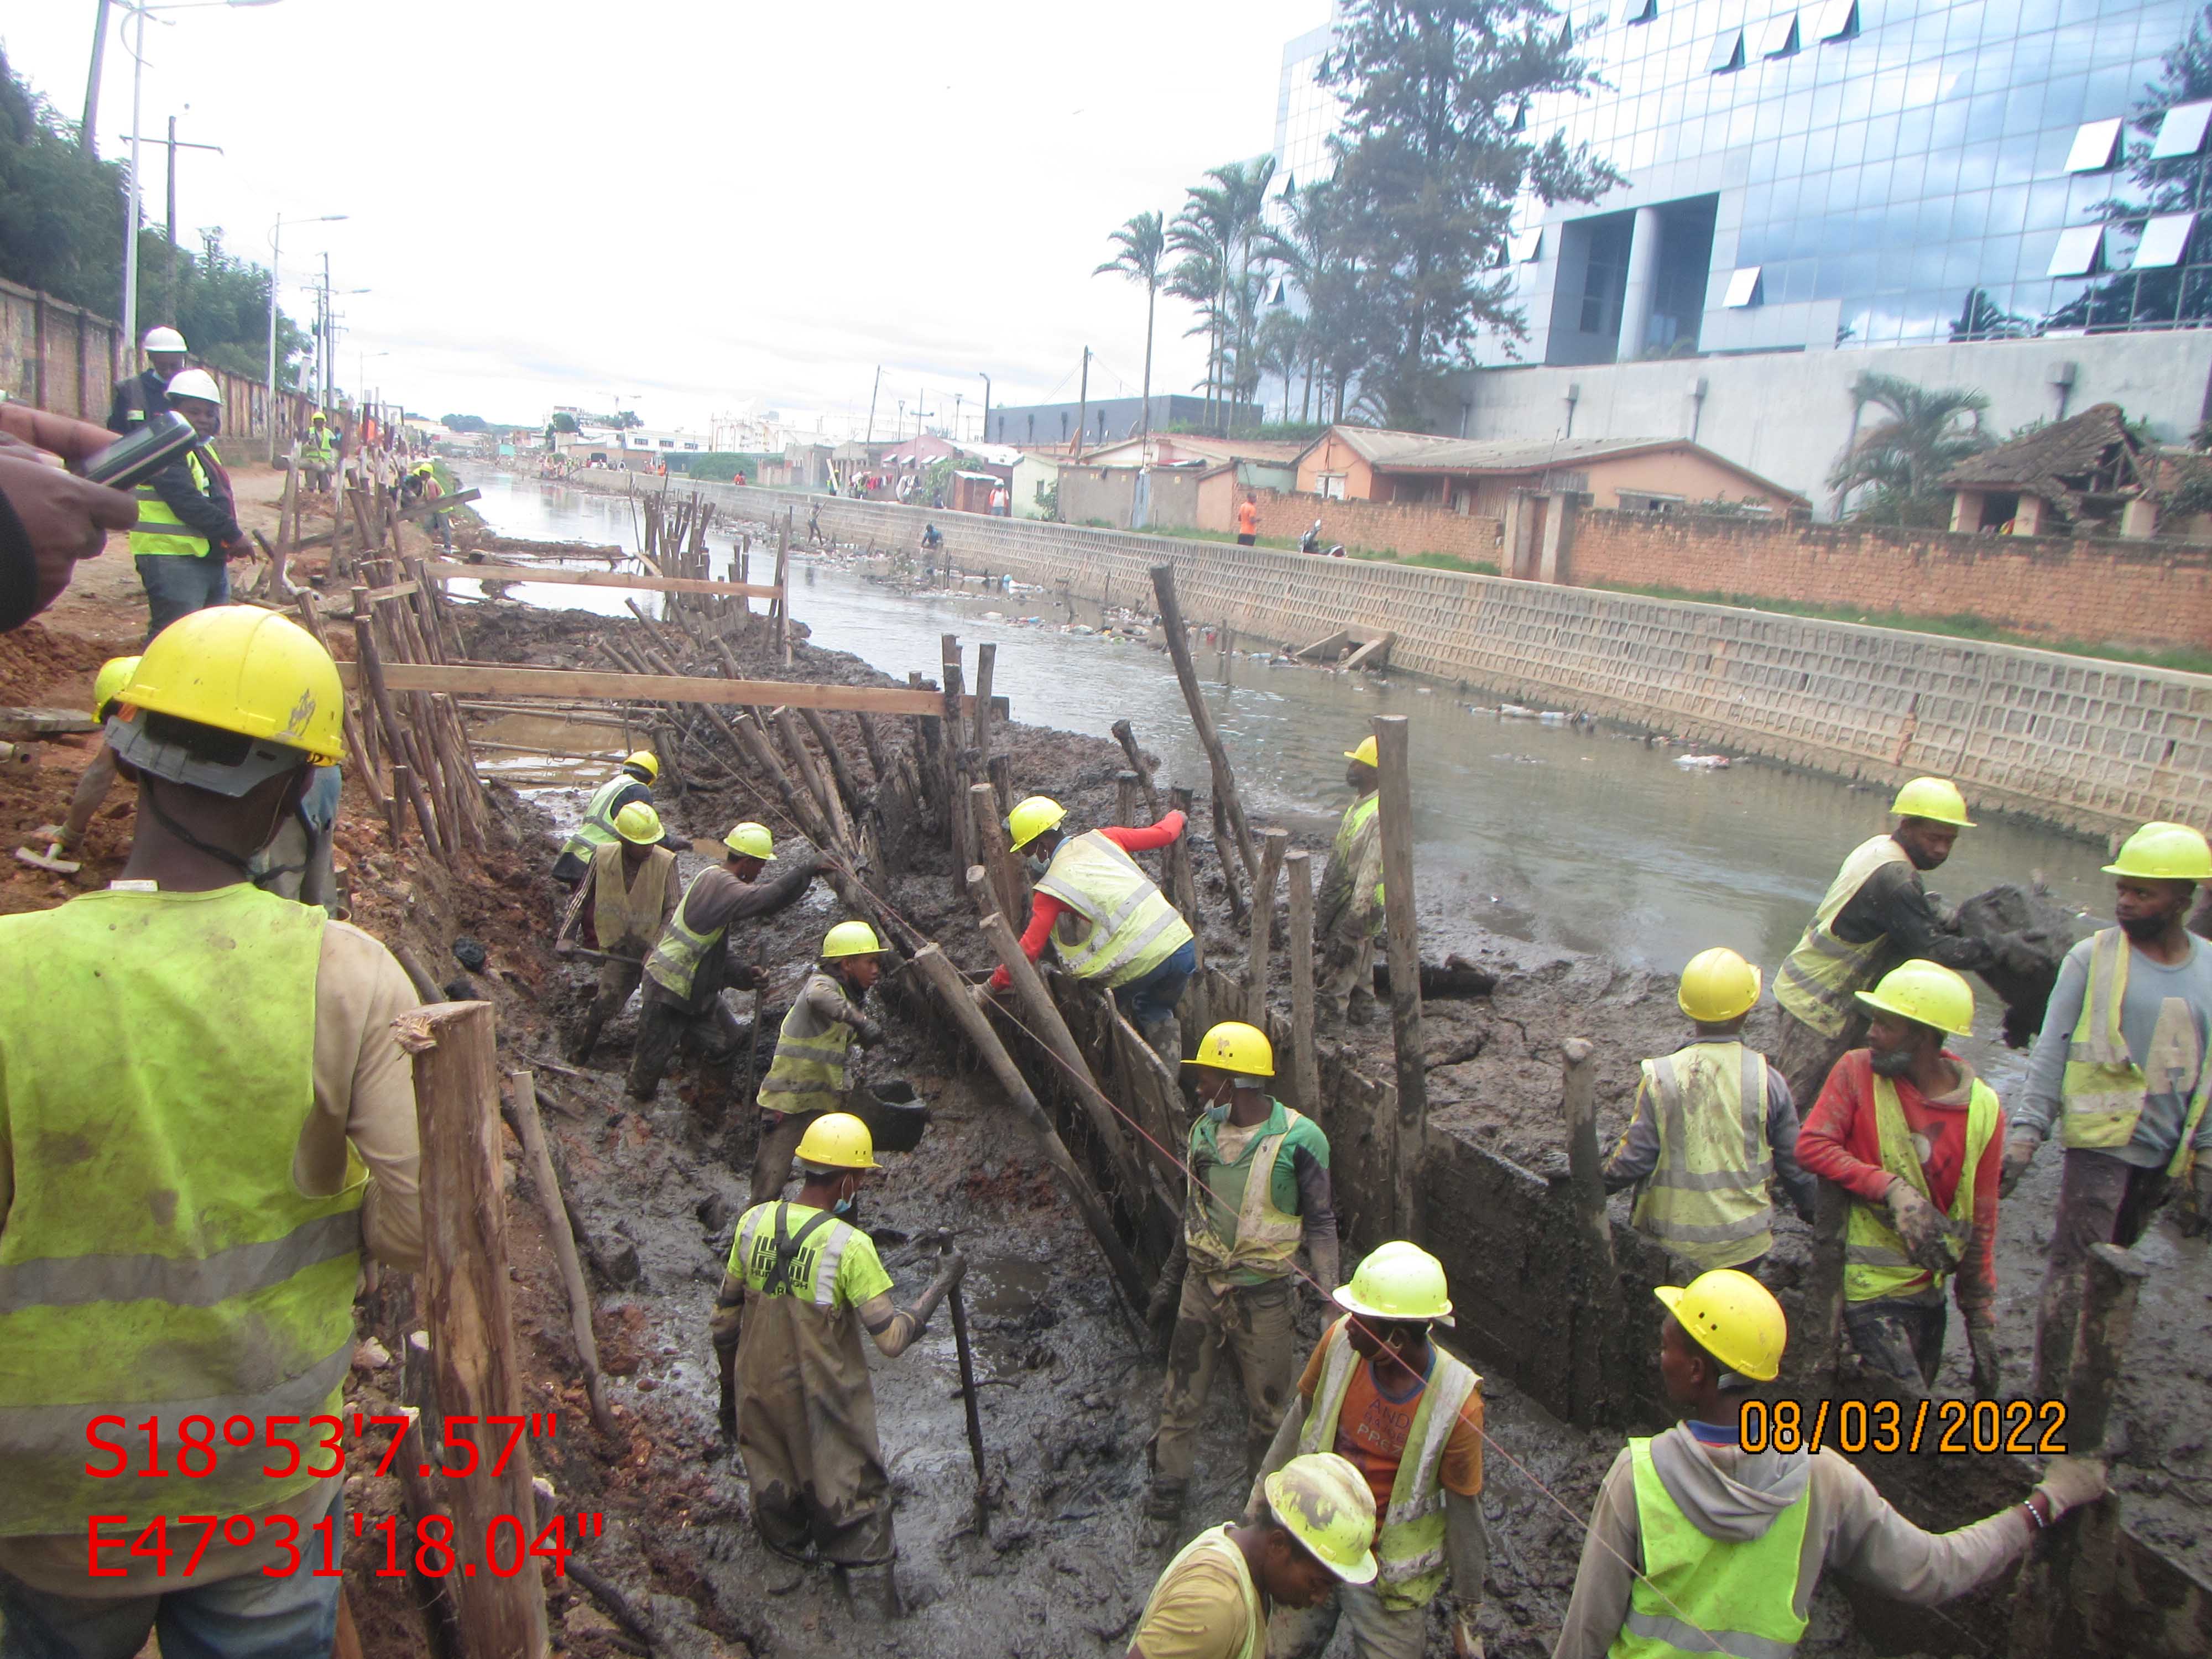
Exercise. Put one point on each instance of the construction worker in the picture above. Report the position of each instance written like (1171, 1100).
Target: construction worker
(422, 487)
(207, 1119)
(1714, 1121)
(146, 393)
(806, 1079)
(2121, 1065)
(691, 962)
(1906, 1128)
(1105, 916)
(633, 782)
(1699, 1547)
(1311, 1535)
(1259, 1188)
(630, 892)
(187, 528)
(319, 454)
(802, 1281)
(65, 840)
(1348, 915)
(1409, 1416)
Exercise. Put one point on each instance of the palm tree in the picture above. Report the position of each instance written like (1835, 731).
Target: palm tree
(1141, 244)
(1280, 346)
(1903, 457)
(1221, 223)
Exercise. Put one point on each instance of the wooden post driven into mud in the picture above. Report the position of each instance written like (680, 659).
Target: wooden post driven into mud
(1225, 777)
(1182, 884)
(1306, 1068)
(1395, 809)
(1597, 1311)
(521, 1099)
(465, 1307)
(1275, 843)
(1009, 888)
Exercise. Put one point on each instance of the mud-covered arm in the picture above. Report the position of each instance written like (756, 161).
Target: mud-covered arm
(1613, 1549)
(729, 1314)
(1781, 1137)
(1637, 1154)
(1361, 911)
(1316, 1216)
(1467, 1548)
(825, 1002)
(1892, 903)
(894, 1329)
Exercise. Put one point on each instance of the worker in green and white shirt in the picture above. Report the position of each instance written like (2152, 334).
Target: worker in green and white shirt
(806, 1079)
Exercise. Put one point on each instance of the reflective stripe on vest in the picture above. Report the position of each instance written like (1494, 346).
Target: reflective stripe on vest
(2101, 1096)
(315, 448)
(626, 911)
(808, 1072)
(180, 543)
(1875, 1261)
(598, 827)
(1700, 1595)
(1132, 928)
(812, 1274)
(1347, 833)
(1266, 1238)
(675, 959)
(1707, 1198)
(158, 1259)
(1216, 1546)
(1816, 983)
(1409, 1537)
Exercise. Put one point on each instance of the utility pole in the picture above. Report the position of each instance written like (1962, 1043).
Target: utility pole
(1083, 408)
(84, 134)
(173, 144)
(957, 399)
(878, 387)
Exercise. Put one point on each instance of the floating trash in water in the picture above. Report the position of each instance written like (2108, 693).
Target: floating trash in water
(1703, 762)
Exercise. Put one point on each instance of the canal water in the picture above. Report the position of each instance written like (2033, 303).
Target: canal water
(1581, 838)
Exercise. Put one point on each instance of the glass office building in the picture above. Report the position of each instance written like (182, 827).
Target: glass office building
(1854, 173)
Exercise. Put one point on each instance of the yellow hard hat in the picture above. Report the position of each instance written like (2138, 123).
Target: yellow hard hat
(751, 840)
(838, 1141)
(1233, 1046)
(1031, 818)
(1733, 1317)
(1325, 1502)
(1364, 753)
(114, 674)
(1925, 992)
(1398, 1281)
(240, 669)
(638, 823)
(1718, 985)
(851, 939)
(646, 762)
(317, 415)
(2157, 852)
(1936, 799)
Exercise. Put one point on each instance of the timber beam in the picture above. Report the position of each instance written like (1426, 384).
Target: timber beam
(445, 571)
(459, 680)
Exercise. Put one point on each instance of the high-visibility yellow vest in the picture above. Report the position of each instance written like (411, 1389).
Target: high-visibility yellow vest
(1216, 1545)
(1706, 1199)
(316, 448)
(1347, 833)
(1266, 1238)
(597, 828)
(1875, 1263)
(2101, 1096)
(676, 956)
(180, 543)
(1816, 983)
(808, 1072)
(1409, 1536)
(156, 1069)
(624, 910)
(1697, 1595)
(1123, 927)
(814, 1249)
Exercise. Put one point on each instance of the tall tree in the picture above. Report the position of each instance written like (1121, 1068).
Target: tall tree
(1141, 244)
(1429, 167)
(1218, 232)
(1901, 459)
(1310, 247)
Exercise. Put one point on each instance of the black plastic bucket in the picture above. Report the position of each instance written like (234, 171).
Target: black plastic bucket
(896, 1116)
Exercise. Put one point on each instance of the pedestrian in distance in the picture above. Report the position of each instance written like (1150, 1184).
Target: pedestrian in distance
(807, 1077)
(1348, 917)
(1248, 520)
(629, 892)
(188, 529)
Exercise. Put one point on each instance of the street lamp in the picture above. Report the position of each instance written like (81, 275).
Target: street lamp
(987, 406)
(276, 264)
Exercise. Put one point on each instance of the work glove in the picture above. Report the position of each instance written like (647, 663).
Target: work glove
(2195, 1219)
(868, 1034)
(2019, 1153)
(1982, 1339)
(1920, 1224)
(951, 1268)
(746, 976)
(2069, 1482)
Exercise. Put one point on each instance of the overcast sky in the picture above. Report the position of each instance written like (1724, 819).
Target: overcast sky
(697, 206)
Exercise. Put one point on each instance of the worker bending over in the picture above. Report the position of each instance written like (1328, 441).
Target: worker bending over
(1699, 1547)
(1916, 1138)
(802, 1281)
(634, 782)
(206, 1119)
(1105, 916)
(806, 1079)
(629, 893)
(2121, 1064)
(1348, 915)
(1310, 1535)
(66, 841)
(690, 964)
(1409, 1416)
(1258, 1188)
(1714, 1123)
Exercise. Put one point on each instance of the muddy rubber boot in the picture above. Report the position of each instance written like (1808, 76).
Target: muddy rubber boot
(586, 1038)
(1163, 1515)
(1164, 1038)
(1361, 1009)
(873, 1593)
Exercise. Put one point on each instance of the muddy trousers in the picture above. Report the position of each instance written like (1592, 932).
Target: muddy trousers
(1351, 980)
(1254, 1322)
(1903, 1340)
(618, 979)
(2102, 1199)
(1806, 1057)
(780, 1135)
(713, 1038)
(1377, 1632)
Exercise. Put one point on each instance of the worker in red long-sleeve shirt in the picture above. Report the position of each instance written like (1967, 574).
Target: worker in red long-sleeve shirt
(1905, 1126)
(1105, 916)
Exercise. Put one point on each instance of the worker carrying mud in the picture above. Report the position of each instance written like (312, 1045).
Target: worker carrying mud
(1699, 1547)
(1348, 915)
(1310, 1535)
(1105, 916)
(66, 841)
(2121, 1066)
(1876, 914)
(207, 1120)
(633, 782)
(690, 964)
(1409, 1416)
(1906, 1128)
(806, 1079)
(629, 893)
(317, 453)
(1714, 1124)
(1259, 1188)
(803, 1280)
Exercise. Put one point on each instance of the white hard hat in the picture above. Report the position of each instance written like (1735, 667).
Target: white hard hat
(196, 383)
(165, 339)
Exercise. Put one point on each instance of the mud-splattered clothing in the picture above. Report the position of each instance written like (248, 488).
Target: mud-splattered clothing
(1206, 1605)
(1254, 1322)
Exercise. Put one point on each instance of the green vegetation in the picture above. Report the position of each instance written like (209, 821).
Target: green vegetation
(719, 465)
(1900, 460)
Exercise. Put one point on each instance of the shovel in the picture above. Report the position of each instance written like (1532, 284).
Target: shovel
(968, 1393)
